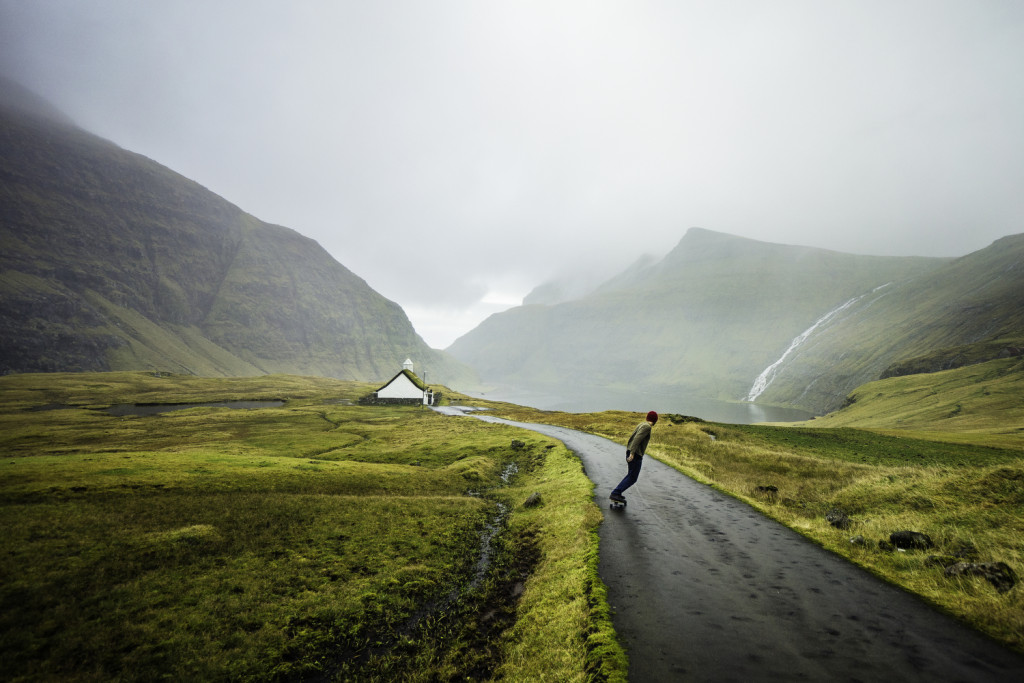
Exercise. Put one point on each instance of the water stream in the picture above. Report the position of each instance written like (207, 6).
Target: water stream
(769, 373)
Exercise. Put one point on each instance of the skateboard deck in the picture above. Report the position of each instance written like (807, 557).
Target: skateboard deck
(617, 504)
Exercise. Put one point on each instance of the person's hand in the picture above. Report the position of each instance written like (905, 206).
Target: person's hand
(629, 458)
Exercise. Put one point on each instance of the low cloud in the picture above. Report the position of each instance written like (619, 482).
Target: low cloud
(454, 153)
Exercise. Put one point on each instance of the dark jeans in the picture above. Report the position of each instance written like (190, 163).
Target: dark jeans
(632, 474)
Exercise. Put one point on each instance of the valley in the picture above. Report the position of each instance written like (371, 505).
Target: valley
(272, 528)
(314, 537)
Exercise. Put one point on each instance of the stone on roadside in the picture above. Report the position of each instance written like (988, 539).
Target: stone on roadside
(533, 501)
(999, 574)
(911, 540)
(838, 519)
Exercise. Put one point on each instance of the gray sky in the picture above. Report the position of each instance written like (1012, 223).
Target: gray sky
(457, 154)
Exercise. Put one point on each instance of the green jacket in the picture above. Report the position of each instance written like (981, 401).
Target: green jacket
(638, 441)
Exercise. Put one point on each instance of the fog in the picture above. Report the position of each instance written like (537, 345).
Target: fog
(457, 154)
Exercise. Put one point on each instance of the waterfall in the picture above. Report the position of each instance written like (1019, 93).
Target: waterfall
(766, 377)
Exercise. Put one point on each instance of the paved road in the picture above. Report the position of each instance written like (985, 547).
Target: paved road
(705, 588)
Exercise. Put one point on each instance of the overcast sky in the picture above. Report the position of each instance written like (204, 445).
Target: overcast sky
(457, 154)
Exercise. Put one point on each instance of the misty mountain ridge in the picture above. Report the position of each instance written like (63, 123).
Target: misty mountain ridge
(17, 99)
(718, 310)
(111, 261)
(583, 282)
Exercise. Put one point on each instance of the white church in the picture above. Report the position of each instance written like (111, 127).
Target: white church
(405, 387)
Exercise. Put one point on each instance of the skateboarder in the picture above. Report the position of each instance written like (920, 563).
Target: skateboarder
(635, 449)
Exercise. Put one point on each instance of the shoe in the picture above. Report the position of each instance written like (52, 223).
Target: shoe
(617, 497)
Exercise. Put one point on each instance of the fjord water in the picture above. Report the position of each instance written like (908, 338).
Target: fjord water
(598, 399)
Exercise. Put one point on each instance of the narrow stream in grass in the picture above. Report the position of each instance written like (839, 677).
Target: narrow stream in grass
(484, 597)
(491, 529)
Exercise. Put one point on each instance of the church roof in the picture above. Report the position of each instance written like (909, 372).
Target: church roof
(412, 378)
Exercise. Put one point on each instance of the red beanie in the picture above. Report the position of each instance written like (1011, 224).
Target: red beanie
(652, 417)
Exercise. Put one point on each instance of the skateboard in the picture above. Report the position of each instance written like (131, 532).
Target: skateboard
(617, 504)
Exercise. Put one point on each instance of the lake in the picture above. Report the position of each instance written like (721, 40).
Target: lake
(597, 400)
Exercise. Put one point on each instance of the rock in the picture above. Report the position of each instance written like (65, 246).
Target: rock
(518, 445)
(858, 540)
(533, 501)
(911, 540)
(768, 489)
(999, 574)
(838, 519)
(886, 546)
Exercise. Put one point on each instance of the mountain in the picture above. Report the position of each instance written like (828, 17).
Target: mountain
(967, 311)
(111, 261)
(705, 321)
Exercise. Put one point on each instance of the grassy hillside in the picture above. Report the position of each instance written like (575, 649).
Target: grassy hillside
(112, 261)
(982, 403)
(705, 320)
(316, 540)
(974, 301)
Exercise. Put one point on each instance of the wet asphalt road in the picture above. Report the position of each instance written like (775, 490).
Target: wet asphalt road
(705, 588)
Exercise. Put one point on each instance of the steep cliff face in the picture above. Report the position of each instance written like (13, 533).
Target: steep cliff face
(111, 261)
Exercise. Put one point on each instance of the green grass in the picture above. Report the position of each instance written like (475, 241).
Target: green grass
(873, 448)
(982, 403)
(315, 539)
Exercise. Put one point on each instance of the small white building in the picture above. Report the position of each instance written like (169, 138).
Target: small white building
(405, 387)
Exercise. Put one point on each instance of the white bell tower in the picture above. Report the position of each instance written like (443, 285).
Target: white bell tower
(407, 365)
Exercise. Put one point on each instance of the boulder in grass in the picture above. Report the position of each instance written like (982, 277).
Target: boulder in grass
(999, 574)
(533, 501)
(838, 519)
(911, 540)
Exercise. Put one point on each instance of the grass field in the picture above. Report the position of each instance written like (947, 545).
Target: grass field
(981, 404)
(322, 540)
(319, 540)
